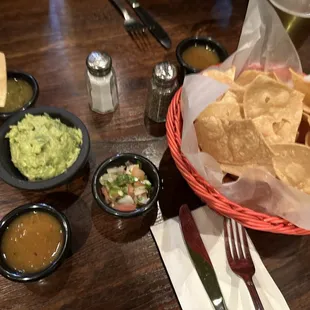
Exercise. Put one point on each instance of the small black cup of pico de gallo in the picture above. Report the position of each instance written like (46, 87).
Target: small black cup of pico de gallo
(126, 185)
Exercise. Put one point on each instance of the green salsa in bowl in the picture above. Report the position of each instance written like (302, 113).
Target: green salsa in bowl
(22, 93)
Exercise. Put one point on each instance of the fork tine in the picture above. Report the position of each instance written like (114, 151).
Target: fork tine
(227, 245)
(245, 242)
(141, 30)
(241, 255)
(137, 39)
(233, 241)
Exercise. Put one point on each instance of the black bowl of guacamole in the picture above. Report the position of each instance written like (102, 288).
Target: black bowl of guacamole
(10, 174)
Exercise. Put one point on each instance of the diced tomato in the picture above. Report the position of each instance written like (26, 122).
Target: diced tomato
(125, 207)
(138, 173)
(131, 190)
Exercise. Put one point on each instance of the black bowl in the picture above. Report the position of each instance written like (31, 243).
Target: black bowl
(199, 41)
(14, 275)
(35, 89)
(12, 176)
(118, 160)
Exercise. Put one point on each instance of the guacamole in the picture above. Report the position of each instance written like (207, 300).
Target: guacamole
(43, 147)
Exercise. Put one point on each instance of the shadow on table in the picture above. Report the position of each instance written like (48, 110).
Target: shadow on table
(122, 230)
(175, 191)
(275, 245)
(153, 128)
(75, 187)
(77, 213)
(54, 283)
(67, 199)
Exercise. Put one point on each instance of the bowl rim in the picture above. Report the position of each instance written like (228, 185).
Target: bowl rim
(15, 213)
(35, 88)
(204, 40)
(124, 214)
(62, 178)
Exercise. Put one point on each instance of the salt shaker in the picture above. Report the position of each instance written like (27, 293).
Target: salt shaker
(163, 86)
(101, 83)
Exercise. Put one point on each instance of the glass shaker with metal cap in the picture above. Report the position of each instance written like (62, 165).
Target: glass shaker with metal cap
(163, 86)
(101, 83)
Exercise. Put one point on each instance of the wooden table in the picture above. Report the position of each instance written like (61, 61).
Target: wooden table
(115, 263)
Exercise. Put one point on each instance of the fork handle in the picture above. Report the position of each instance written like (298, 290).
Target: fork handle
(117, 4)
(253, 292)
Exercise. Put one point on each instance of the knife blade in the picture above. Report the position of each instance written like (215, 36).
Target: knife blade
(200, 258)
(158, 32)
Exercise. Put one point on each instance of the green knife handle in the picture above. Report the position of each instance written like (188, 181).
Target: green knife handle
(209, 280)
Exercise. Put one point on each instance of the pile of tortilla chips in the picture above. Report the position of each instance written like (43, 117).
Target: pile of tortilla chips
(259, 122)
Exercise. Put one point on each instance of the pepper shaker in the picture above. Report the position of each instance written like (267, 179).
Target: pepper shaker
(162, 88)
(101, 83)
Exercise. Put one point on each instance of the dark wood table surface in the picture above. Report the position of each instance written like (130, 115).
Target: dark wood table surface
(115, 263)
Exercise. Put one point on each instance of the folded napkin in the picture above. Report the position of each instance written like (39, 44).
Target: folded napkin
(183, 275)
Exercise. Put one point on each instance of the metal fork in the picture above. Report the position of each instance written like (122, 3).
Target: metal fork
(131, 25)
(240, 261)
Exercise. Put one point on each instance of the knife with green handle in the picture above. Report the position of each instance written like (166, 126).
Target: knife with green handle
(200, 258)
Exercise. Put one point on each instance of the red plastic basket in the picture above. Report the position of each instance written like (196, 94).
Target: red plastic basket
(209, 194)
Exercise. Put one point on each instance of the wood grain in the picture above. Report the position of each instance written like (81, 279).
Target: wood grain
(115, 263)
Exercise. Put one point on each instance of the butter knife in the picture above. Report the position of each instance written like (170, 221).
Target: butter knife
(200, 258)
(157, 31)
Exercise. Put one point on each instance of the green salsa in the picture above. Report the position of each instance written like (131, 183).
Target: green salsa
(43, 147)
(19, 92)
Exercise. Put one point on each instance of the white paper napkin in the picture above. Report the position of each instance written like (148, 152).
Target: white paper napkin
(183, 275)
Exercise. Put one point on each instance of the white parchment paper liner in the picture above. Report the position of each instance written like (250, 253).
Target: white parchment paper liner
(263, 42)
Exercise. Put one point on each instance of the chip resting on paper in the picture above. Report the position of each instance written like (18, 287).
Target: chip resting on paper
(228, 97)
(247, 76)
(260, 122)
(229, 111)
(239, 169)
(303, 86)
(226, 77)
(221, 76)
(275, 130)
(232, 142)
(267, 97)
(292, 166)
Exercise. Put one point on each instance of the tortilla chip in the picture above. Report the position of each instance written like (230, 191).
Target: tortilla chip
(275, 131)
(229, 111)
(231, 72)
(238, 169)
(247, 76)
(303, 128)
(267, 97)
(226, 77)
(3, 80)
(273, 76)
(291, 164)
(232, 142)
(304, 87)
(238, 91)
(228, 97)
(307, 139)
(220, 76)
